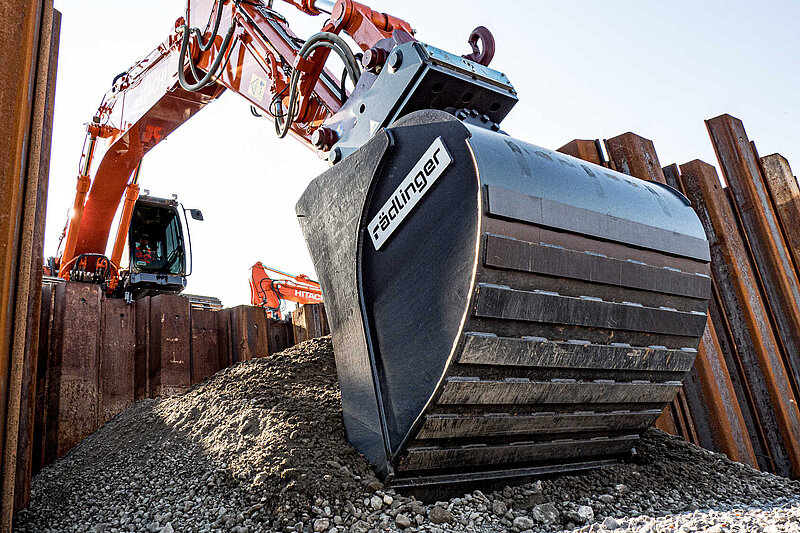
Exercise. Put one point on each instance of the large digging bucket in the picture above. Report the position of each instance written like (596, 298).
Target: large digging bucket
(499, 309)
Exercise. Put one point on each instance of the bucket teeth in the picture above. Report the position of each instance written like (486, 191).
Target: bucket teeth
(530, 314)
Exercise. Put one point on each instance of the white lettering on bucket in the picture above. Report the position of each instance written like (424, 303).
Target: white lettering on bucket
(410, 191)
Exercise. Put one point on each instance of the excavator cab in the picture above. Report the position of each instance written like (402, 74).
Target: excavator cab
(159, 252)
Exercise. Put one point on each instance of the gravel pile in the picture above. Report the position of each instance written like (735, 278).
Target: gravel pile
(260, 446)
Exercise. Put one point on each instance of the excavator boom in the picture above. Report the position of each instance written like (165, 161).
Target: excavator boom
(497, 309)
(246, 47)
(270, 293)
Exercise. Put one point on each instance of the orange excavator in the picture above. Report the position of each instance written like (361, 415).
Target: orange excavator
(271, 293)
(497, 309)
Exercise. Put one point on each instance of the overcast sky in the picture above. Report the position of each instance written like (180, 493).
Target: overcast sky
(583, 69)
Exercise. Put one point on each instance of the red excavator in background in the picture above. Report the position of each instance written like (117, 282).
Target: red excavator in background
(497, 309)
(271, 293)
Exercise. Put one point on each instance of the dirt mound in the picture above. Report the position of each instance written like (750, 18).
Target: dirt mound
(260, 446)
(263, 437)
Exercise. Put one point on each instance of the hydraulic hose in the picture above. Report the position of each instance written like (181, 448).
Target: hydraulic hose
(335, 39)
(342, 89)
(326, 40)
(205, 46)
(212, 71)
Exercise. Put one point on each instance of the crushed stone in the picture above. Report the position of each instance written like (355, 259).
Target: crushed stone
(260, 447)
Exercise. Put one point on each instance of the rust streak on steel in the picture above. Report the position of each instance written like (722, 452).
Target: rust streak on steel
(726, 417)
(141, 357)
(32, 244)
(170, 344)
(205, 344)
(750, 325)
(77, 342)
(116, 371)
(770, 254)
(785, 195)
(739, 379)
(585, 149)
(636, 156)
(672, 175)
(684, 415)
(729, 352)
(43, 366)
(666, 422)
(785, 220)
(20, 37)
(727, 424)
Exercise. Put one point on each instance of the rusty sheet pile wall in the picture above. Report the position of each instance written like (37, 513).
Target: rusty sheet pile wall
(309, 322)
(28, 72)
(98, 355)
(741, 398)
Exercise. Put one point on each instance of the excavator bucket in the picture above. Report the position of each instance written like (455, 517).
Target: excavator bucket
(499, 309)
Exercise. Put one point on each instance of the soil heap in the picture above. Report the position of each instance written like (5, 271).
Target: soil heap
(260, 446)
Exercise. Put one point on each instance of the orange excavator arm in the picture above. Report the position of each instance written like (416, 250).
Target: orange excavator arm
(269, 293)
(244, 46)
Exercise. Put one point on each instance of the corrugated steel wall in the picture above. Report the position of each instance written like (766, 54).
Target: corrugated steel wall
(29, 38)
(96, 356)
(99, 355)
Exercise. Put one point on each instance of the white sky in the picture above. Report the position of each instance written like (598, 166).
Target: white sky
(583, 69)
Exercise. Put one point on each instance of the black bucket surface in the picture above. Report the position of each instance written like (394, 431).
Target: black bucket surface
(500, 309)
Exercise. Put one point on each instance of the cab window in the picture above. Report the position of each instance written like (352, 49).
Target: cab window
(156, 240)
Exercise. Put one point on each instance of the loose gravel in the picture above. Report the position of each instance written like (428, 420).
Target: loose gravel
(260, 446)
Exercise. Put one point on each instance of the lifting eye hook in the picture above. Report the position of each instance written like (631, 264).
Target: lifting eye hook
(483, 54)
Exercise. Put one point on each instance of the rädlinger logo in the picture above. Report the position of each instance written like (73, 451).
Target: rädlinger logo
(410, 191)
